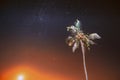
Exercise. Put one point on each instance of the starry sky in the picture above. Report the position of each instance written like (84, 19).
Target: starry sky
(33, 33)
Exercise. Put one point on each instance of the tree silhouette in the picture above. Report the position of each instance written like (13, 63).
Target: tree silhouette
(77, 38)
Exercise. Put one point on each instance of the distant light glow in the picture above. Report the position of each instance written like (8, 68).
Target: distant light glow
(20, 77)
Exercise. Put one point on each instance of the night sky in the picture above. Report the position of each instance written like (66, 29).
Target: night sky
(33, 33)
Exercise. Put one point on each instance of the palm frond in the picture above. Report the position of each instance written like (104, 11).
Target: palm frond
(70, 40)
(94, 36)
(91, 42)
(77, 24)
(75, 46)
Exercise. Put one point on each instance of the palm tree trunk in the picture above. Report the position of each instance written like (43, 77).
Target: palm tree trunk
(84, 63)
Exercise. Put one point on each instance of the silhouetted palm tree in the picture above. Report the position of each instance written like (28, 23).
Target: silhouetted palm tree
(77, 38)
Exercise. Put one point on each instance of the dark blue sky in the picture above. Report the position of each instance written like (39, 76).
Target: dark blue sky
(48, 19)
(42, 23)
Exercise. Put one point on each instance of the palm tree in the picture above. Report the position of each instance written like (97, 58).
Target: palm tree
(78, 37)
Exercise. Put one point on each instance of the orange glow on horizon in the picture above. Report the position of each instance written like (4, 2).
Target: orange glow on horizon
(29, 74)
